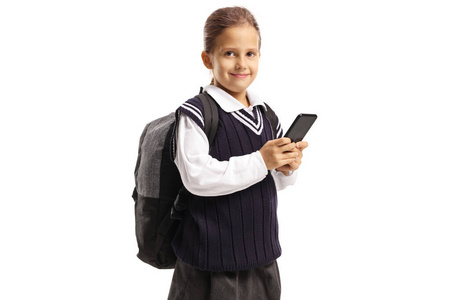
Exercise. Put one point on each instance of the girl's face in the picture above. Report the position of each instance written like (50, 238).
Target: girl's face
(235, 60)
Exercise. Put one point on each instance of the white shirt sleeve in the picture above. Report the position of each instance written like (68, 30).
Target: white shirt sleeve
(282, 181)
(204, 175)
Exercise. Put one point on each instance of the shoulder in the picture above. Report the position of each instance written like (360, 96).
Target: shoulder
(193, 108)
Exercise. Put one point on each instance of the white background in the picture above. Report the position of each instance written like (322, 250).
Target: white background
(369, 215)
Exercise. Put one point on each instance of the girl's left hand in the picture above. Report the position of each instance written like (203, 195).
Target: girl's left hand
(299, 147)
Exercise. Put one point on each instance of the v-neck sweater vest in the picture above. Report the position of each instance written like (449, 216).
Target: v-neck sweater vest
(237, 231)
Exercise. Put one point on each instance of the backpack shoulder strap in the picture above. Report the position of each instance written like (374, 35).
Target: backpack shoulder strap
(270, 114)
(211, 115)
(211, 121)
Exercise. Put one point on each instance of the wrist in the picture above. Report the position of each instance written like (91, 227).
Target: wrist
(262, 162)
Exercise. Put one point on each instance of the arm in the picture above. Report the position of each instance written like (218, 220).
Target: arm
(204, 175)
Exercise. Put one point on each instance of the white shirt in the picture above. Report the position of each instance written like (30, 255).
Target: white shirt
(204, 175)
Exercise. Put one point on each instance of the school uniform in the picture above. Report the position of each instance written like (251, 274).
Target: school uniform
(227, 242)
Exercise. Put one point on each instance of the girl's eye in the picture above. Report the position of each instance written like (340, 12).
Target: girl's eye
(251, 54)
(229, 53)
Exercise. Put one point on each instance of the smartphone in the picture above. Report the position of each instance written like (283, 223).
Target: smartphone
(300, 127)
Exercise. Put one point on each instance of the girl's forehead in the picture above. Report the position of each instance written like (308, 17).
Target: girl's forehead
(238, 36)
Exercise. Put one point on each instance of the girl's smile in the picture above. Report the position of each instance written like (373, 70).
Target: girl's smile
(240, 75)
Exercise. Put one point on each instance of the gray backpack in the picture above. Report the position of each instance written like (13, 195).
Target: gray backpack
(159, 195)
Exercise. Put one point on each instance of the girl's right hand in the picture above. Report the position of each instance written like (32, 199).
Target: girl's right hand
(279, 152)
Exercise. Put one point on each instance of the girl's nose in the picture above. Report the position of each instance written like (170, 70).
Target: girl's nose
(240, 64)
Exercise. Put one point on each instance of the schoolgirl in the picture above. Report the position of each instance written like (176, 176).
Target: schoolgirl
(227, 243)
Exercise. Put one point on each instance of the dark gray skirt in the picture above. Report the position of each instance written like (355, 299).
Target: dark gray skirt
(189, 283)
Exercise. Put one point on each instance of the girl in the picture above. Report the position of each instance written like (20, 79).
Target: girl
(227, 243)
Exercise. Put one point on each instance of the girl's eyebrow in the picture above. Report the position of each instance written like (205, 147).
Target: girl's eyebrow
(234, 49)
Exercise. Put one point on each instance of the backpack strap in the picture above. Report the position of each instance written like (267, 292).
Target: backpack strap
(270, 114)
(211, 119)
(210, 115)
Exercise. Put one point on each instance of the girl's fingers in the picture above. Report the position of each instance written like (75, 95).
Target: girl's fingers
(301, 145)
(290, 156)
(288, 147)
(282, 141)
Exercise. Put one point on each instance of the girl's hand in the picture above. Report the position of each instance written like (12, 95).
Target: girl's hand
(279, 152)
(299, 147)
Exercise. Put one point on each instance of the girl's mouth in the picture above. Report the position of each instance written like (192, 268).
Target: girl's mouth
(238, 75)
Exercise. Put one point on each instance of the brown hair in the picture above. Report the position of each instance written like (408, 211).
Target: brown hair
(223, 18)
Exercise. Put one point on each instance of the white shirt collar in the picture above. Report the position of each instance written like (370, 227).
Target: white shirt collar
(230, 104)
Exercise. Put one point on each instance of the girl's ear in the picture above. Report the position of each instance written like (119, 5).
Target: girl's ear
(206, 60)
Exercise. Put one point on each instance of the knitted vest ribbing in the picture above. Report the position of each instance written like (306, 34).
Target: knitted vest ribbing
(237, 231)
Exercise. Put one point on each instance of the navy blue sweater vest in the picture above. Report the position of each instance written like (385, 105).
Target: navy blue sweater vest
(237, 231)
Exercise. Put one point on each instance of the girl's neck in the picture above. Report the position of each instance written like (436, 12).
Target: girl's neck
(243, 100)
(239, 96)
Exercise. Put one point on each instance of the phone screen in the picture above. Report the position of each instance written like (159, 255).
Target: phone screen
(300, 127)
